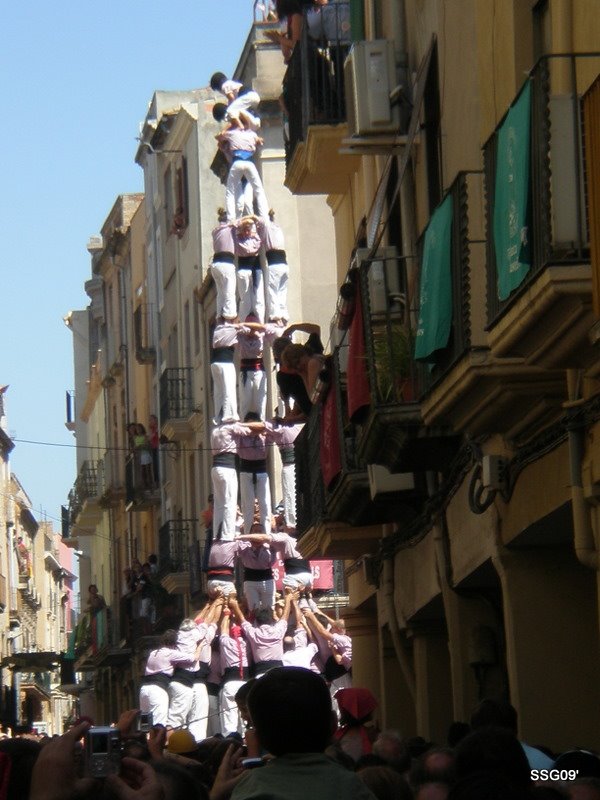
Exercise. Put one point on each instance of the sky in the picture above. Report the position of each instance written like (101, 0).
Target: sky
(76, 79)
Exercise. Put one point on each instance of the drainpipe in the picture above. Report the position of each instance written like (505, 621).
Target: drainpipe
(394, 623)
(584, 538)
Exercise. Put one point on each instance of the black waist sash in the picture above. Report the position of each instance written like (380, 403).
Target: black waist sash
(228, 258)
(183, 676)
(213, 689)
(248, 262)
(157, 679)
(257, 574)
(294, 566)
(202, 674)
(250, 465)
(224, 460)
(220, 355)
(264, 666)
(287, 453)
(276, 257)
(254, 364)
(233, 674)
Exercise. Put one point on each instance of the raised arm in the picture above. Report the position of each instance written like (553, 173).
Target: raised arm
(236, 610)
(316, 625)
(305, 327)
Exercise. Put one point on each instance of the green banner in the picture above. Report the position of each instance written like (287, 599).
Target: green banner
(511, 196)
(435, 308)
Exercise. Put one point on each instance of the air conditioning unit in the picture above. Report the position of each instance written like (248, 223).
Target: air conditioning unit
(382, 481)
(369, 78)
(385, 288)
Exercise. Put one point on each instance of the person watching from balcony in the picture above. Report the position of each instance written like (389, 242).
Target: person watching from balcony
(299, 360)
(154, 441)
(154, 691)
(23, 558)
(95, 601)
(223, 267)
(242, 102)
(277, 270)
(144, 456)
(235, 672)
(266, 635)
(252, 338)
(253, 475)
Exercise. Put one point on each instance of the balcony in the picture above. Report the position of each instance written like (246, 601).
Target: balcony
(37, 683)
(178, 414)
(539, 276)
(139, 496)
(85, 511)
(339, 511)
(111, 477)
(314, 94)
(175, 538)
(97, 642)
(145, 347)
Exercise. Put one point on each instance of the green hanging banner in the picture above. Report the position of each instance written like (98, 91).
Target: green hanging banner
(511, 196)
(435, 308)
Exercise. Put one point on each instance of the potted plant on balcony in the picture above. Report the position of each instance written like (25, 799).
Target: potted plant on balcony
(393, 348)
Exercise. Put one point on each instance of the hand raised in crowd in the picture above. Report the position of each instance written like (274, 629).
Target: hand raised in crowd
(157, 741)
(126, 722)
(228, 775)
(54, 775)
(137, 781)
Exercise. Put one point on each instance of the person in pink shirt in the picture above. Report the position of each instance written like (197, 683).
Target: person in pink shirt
(223, 371)
(154, 691)
(298, 651)
(249, 233)
(338, 667)
(277, 270)
(265, 636)
(213, 687)
(224, 442)
(181, 688)
(252, 338)
(206, 624)
(254, 478)
(284, 435)
(259, 584)
(235, 672)
(298, 574)
(239, 146)
(223, 266)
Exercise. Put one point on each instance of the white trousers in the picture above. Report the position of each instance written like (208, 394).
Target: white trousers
(181, 698)
(225, 281)
(246, 103)
(261, 492)
(224, 392)
(302, 580)
(198, 715)
(230, 715)
(288, 486)
(225, 492)
(253, 392)
(252, 298)
(259, 594)
(234, 191)
(155, 700)
(277, 291)
(215, 585)
(214, 718)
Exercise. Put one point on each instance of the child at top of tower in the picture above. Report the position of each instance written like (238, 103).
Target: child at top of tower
(242, 102)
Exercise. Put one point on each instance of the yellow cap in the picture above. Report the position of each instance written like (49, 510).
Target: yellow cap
(181, 742)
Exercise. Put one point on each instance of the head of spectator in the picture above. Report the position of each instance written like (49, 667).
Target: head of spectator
(241, 699)
(488, 785)
(584, 789)
(496, 713)
(178, 782)
(291, 693)
(385, 783)
(432, 791)
(17, 759)
(278, 346)
(496, 751)
(585, 763)
(390, 746)
(434, 766)
(456, 732)
(295, 357)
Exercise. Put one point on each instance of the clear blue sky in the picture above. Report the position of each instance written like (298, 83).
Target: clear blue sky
(76, 79)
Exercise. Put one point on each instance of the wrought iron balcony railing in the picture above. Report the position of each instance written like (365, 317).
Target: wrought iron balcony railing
(86, 487)
(176, 396)
(313, 85)
(556, 226)
(174, 540)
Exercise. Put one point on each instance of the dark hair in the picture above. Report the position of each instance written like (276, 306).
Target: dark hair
(457, 732)
(498, 713)
(494, 750)
(169, 638)
(23, 754)
(279, 346)
(217, 80)
(291, 693)
(423, 772)
(252, 416)
(153, 558)
(219, 111)
(385, 783)
(241, 696)
(179, 781)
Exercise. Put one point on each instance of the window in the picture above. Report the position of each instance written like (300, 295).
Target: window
(432, 130)
(181, 218)
(196, 311)
(167, 199)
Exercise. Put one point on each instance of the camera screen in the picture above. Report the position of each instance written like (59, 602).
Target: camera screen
(99, 743)
(145, 718)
